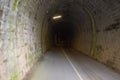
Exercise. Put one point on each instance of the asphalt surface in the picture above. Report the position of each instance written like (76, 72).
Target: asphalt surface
(61, 64)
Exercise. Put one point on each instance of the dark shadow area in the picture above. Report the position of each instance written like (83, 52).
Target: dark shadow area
(61, 34)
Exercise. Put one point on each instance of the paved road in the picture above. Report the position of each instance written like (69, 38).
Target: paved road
(60, 64)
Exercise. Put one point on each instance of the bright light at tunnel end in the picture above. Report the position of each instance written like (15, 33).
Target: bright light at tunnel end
(57, 17)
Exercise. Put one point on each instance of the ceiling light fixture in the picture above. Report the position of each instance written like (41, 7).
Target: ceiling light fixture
(57, 17)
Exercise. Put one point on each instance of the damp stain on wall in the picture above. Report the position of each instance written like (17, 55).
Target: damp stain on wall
(114, 26)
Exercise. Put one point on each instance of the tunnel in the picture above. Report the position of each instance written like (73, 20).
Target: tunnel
(62, 34)
(30, 30)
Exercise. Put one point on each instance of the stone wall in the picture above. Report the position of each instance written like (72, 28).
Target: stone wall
(21, 23)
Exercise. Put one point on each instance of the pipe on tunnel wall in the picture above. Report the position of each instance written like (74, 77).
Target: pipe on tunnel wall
(93, 45)
(92, 50)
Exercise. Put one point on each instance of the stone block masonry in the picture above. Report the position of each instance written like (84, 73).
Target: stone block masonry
(20, 36)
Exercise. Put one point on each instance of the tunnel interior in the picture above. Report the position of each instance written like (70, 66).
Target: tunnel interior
(61, 33)
(27, 31)
(74, 23)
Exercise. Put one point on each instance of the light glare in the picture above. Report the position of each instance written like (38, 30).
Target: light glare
(57, 17)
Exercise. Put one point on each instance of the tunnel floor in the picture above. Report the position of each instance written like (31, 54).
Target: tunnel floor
(64, 64)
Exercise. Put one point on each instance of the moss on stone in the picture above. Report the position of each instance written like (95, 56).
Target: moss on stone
(11, 32)
(30, 58)
(26, 3)
(15, 75)
(15, 4)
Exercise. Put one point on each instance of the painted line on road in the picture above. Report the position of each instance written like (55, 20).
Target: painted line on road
(76, 71)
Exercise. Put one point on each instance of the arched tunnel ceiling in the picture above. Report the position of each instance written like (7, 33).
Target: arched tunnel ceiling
(72, 11)
(97, 8)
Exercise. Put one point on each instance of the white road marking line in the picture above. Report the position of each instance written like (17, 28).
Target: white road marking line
(72, 65)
